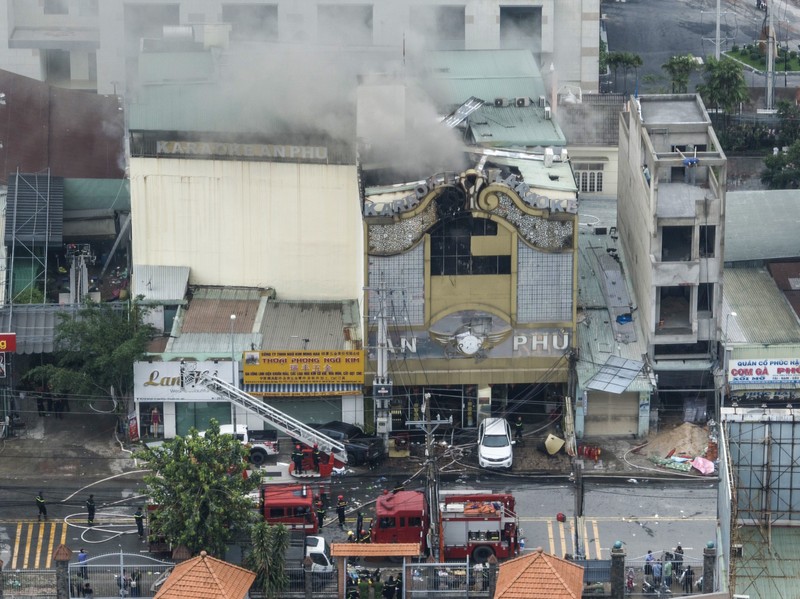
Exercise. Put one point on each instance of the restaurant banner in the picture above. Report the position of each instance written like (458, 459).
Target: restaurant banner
(298, 367)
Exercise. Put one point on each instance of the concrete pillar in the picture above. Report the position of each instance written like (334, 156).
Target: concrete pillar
(62, 556)
(617, 571)
(492, 575)
(709, 566)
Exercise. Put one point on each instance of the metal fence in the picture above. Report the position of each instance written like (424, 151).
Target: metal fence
(117, 575)
(29, 584)
(450, 579)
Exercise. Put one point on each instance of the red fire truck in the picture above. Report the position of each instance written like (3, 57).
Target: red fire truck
(290, 505)
(472, 524)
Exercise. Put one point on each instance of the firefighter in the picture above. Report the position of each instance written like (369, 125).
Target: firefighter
(341, 506)
(315, 455)
(320, 514)
(518, 429)
(389, 588)
(399, 487)
(297, 458)
(363, 537)
(351, 537)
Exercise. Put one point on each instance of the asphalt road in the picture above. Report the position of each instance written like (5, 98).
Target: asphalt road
(657, 30)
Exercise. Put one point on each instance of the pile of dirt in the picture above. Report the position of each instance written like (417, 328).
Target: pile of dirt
(687, 440)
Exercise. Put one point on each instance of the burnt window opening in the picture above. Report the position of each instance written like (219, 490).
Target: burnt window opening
(521, 28)
(250, 22)
(676, 244)
(674, 314)
(448, 21)
(682, 349)
(705, 299)
(707, 241)
(451, 248)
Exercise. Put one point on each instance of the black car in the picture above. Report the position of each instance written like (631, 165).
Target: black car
(361, 447)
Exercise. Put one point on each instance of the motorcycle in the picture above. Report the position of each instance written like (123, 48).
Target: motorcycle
(629, 582)
(659, 591)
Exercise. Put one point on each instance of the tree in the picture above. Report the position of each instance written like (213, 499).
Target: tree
(96, 349)
(267, 557)
(625, 61)
(200, 489)
(679, 68)
(783, 169)
(724, 86)
(789, 114)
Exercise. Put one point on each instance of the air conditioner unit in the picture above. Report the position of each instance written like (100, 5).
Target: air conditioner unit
(547, 113)
(548, 156)
(500, 102)
(521, 102)
(736, 550)
(542, 101)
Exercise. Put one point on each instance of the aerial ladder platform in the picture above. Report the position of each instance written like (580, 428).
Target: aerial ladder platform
(275, 418)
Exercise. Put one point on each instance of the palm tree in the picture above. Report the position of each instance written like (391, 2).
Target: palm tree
(267, 557)
(724, 87)
(679, 68)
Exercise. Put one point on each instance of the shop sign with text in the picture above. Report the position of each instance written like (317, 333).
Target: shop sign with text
(764, 372)
(162, 380)
(304, 367)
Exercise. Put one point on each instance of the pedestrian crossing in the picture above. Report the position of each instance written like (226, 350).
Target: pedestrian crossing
(34, 543)
(559, 538)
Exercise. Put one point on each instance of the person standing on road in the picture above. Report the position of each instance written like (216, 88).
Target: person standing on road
(88, 591)
(82, 557)
(139, 517)
(90, 511)
(320, 514)
(668, 573)
(341, 506)
(677, 565)
(40, 405)
(688, 579)
(518, 427)
(42, 505)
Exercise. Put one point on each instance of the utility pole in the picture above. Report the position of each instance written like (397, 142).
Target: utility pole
(431, 470)
(382, 383)
(770, 58)
(578, 470)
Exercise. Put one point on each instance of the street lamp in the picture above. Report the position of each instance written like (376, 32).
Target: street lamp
(233, 373)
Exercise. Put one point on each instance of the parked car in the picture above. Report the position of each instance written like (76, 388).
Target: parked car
(361, 448)
(495, 447)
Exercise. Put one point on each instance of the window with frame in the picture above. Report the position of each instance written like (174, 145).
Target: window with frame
(589, 176)
(451, 248)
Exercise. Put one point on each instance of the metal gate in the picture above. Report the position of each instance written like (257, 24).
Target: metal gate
(118, 575)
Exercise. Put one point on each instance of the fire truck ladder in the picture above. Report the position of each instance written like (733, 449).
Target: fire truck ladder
(283, 422)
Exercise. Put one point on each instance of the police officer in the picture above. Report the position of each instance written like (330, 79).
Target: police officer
(518, 429)
(341, 506)
(42, 505)
(90, 510)
(297, 458)
(139, 517)
(320, 514)
(315, 456)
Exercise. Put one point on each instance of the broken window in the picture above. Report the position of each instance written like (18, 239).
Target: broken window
(707, 241)
(447, 21)
(674, 313)
(451, 248)
(676, 244)
(345, 25)
(521, 28)
(251, 22)
(705, 300)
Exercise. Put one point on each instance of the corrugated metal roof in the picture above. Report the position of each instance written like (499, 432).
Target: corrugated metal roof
(450, 77)
(326, 326)
(210, 310)
(762, 313)
(514, 126)
(35, 209)
(558, 177)
(761, 225)
(97, 194)
(160, 283)
(769, 567)
(595, 334)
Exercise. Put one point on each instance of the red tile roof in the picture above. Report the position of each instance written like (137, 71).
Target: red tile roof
(375, 549)
(538, 575)
(205, 577)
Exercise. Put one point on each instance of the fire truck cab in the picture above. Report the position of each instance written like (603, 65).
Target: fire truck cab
(290, 505)
(400, 517)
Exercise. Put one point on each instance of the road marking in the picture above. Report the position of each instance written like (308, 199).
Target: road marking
(551, 538)
(631, 519)
(586, 545)
(17, 541)
(27, 546)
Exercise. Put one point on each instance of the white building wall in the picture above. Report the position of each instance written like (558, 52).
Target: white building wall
(253, 224)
